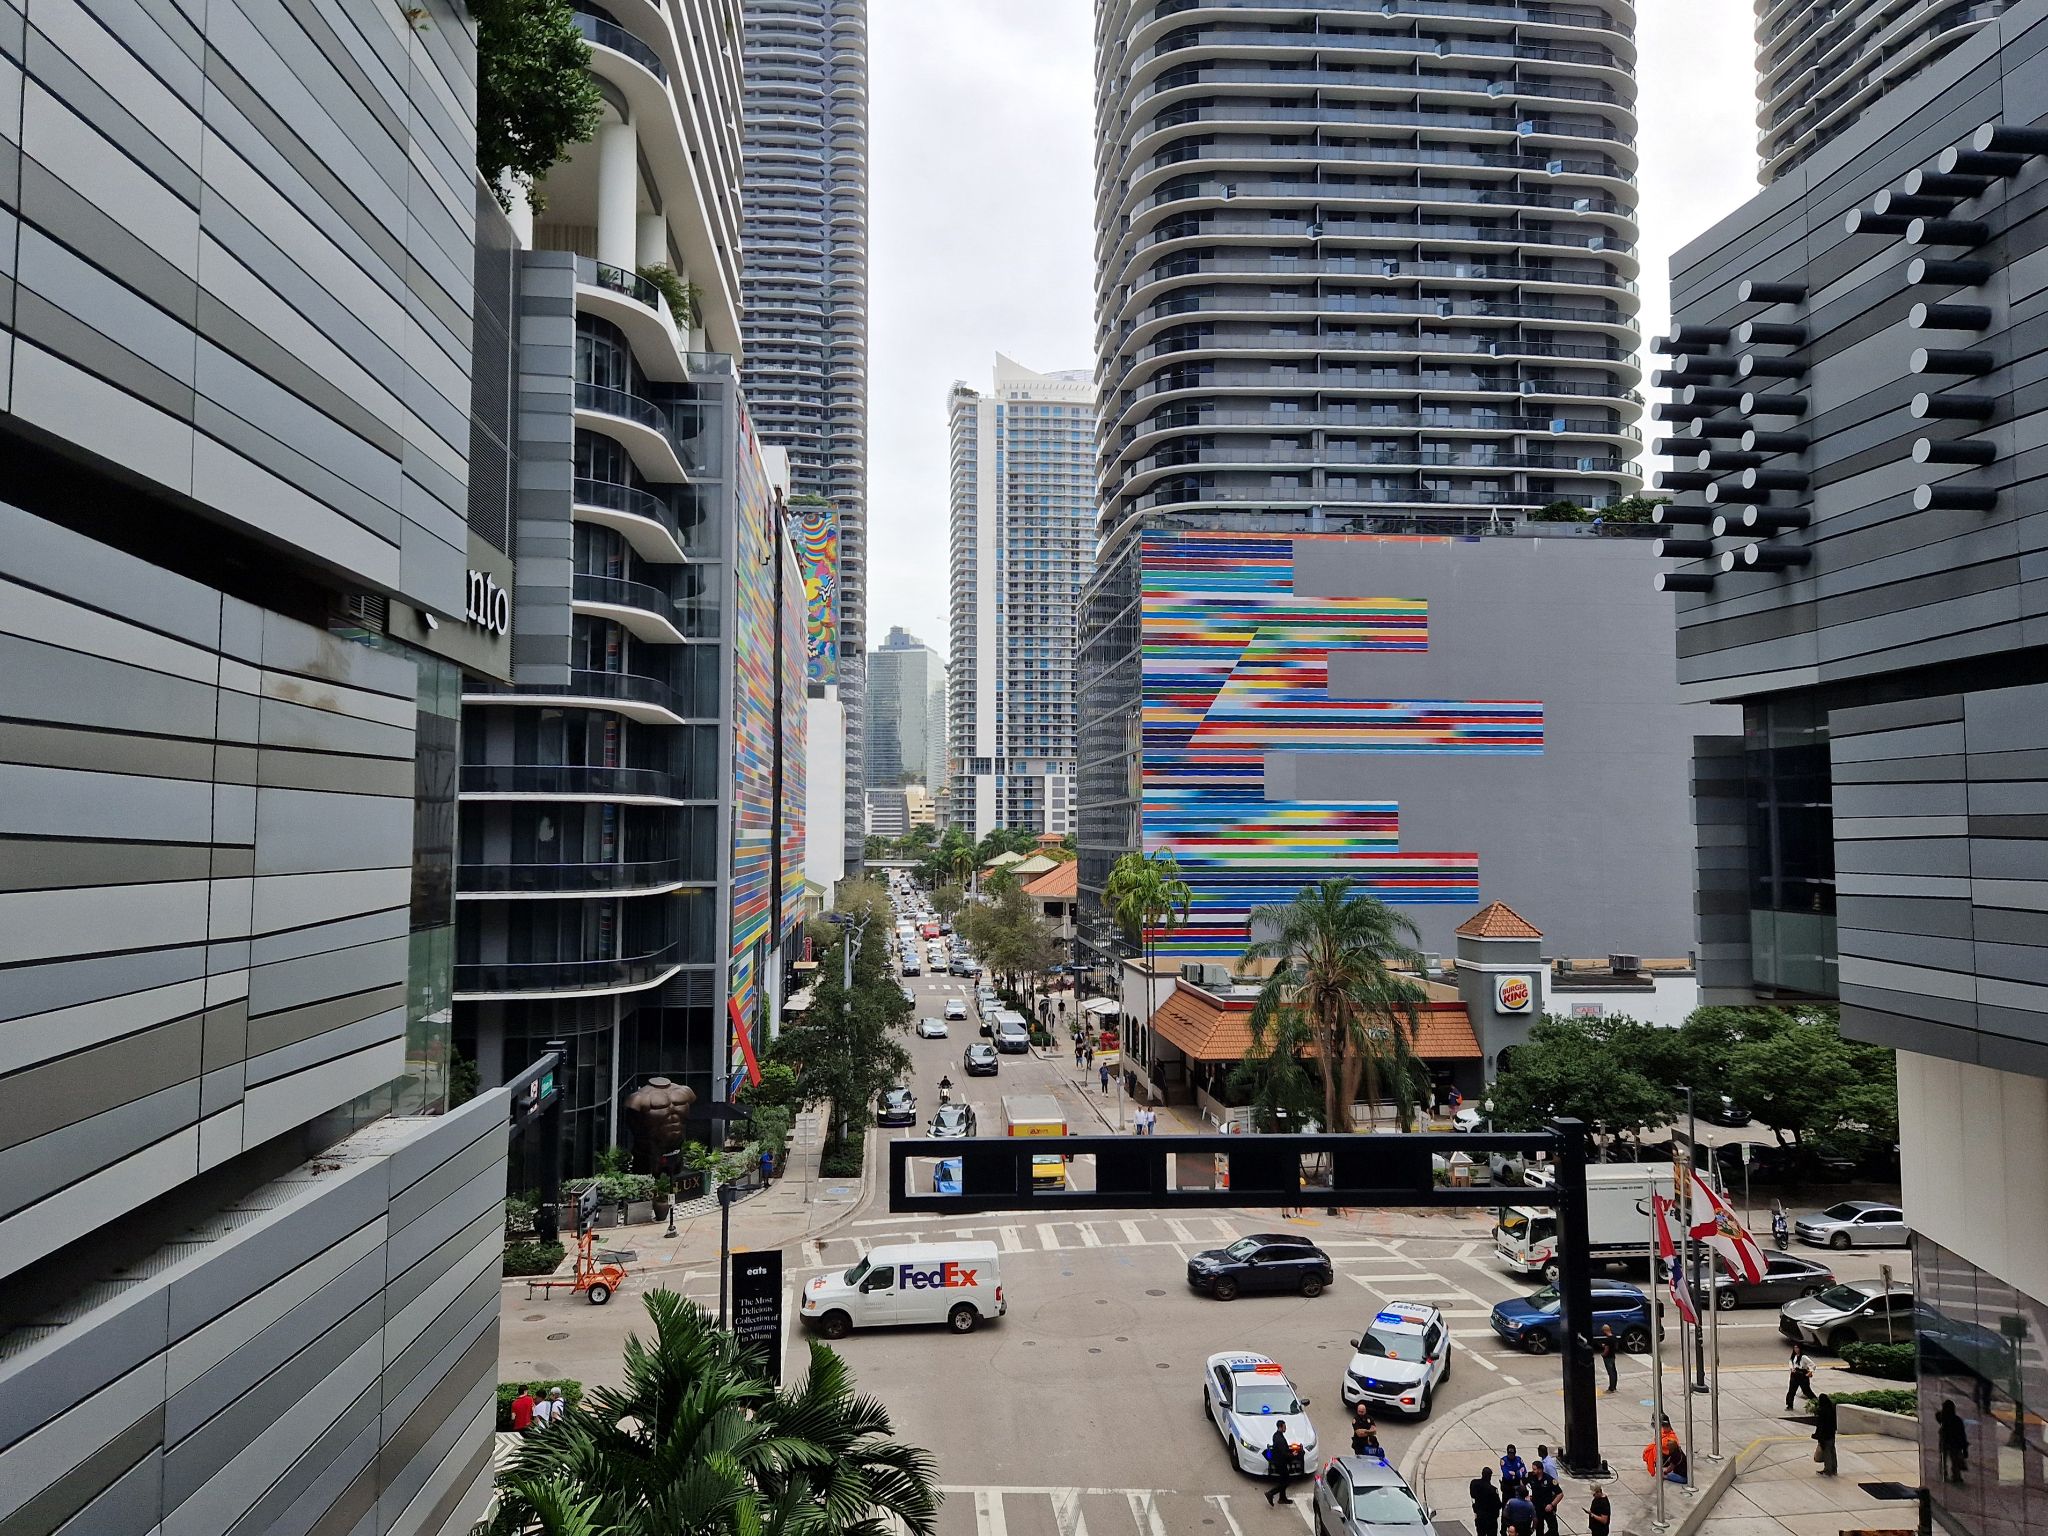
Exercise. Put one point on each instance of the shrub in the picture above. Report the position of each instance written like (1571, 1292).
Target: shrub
(519, 1213)
(611, 1187)
(1890, 1399)
(682, 297)
(522, 1259)
(844, 1161)
(1560, 511)
(572, 1394)
(1893, 1362)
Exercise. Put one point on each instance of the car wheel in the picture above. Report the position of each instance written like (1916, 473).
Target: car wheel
(835, 1325)
(1311, 1285)
(1553, 1272)
(1838, 1241)
(1636, 1340)
(963, 1318)
(1447, 1362)
(1809, 1290)
(1724, 1300)
(1224, 1289)
(600, 1293)
(1428, 1402)
(1539, 1342)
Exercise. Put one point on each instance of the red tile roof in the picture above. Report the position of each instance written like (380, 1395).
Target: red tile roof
(1062, 883)
(1206, 1028)
(1499, 921)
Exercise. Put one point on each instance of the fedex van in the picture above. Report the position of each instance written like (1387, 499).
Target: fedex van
(958, 1284)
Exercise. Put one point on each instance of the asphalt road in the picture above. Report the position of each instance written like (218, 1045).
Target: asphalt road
(1087, 1398)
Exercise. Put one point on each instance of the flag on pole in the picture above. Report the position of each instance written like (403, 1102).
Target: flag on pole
(1667, 1260)
(1715, 1223)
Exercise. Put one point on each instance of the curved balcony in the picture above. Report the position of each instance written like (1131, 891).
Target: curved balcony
(646, 521)
(643, 877)
(1153, 234)
(646, 699)
(646, 611)
(1407, 83)
(602, 33)
(566, 978)
(640, 426)
(569, 781)
(1394, 155)
(1348, 196)
(1571, 18)
(1170, 121)
(633, 304)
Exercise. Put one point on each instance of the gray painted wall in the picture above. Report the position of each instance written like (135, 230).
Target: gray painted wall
(1591, 841)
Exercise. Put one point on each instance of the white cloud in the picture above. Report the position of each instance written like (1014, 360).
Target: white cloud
(981, 229)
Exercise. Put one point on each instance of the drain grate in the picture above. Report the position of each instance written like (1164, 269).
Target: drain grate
(1889, 1490)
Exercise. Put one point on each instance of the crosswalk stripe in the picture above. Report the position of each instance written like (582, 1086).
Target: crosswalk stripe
(1088, 1237)
(1046, 1238)
(1145, 1514)
(1066, 1512)
(1013, 1242)
(1179, 1229)
(1222, 1503)
(1132, 1235)
(988, 1514)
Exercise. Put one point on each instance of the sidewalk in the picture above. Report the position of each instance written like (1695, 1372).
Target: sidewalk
(1774, 1489)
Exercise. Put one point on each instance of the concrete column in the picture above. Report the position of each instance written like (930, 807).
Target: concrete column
(653, 240)
(618, 195)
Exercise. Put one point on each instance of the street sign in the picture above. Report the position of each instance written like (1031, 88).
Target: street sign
(1746, 1150)
(586, 1207)
(757, 1308)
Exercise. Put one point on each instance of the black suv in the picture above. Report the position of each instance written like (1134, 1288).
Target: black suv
(1265, 1261)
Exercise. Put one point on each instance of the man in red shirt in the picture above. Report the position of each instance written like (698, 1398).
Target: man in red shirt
(522, 1410)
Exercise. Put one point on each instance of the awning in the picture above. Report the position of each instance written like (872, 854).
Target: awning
(1101, 1006)
(797, 1002)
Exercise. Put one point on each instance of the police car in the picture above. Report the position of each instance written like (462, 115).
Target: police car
(1400, 1359)
(1247, 1397)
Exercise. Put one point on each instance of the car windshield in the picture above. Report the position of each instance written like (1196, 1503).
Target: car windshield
(1514, 1223)
(1842, 1298)
(1386, 1506)
(853, 1275)
(1270, 1396)
(1391, 1346)
(1243, 1248)
(1843, 1212)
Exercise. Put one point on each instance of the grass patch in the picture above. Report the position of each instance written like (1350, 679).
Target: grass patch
(845, 1160)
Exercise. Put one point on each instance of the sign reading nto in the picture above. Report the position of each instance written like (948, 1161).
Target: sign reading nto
(490, 605)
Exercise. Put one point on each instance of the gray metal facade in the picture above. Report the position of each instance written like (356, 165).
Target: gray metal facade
(236, 413)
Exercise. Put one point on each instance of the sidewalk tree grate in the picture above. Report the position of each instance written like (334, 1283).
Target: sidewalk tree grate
(1889, 1490)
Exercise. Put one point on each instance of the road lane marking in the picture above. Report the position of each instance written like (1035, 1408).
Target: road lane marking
(1013, 1242)
(988, 1513)
(1088, 1237)
(1222, 1503)
(1046, 1238)
(1066, 1512)
(1145, 1514)
(1179, 1230)
(1133, 1236)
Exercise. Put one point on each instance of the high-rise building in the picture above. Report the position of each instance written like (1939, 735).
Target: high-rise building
(252, 534)
(906, 714)
(805, 287)
(1366, 306)
(1023, 510)
(1821, 64)
(631, 804)
(1861, 581)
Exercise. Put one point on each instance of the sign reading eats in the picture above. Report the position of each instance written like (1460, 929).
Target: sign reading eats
(947, 1274)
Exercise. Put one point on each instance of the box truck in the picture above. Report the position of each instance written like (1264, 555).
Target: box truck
(1525, 1237)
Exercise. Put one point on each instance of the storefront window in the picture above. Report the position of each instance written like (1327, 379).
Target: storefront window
(1791, 846)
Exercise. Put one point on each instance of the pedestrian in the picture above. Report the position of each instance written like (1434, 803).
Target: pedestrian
(1548, 1461)
(1952, 1437)
(1077, 1050)
(1599, 1513)
(1151, 1121)
(1280, 1457)
(522, 1410)
(1609, 1347)
(1517, 1515)
(1512, 1469)
(1800, 1378)
(1676, 1469)
(543, 1412)
(557, 1409)
(1485, 1504)
(1824, 1434)
(1089, 1046)
(1361, 1424)
(1103, 1073)
(1548, 1497)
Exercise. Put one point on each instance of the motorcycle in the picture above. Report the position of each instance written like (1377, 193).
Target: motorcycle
(1781, 1233)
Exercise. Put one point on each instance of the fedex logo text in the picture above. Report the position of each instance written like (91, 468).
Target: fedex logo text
(948, 1274)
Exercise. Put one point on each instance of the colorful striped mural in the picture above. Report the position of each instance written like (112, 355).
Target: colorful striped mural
(1237, 667)
(815, 530)
(753, 737)
(797, 657)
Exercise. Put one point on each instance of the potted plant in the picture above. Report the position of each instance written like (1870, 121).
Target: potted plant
(664, 1195)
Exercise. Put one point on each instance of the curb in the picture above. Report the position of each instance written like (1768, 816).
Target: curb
(1424, 1443)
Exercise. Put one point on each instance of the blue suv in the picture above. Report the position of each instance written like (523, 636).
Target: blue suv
(1537, 1324)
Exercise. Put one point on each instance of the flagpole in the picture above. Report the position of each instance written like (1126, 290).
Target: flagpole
(1714, 1364)
(1657, 1373)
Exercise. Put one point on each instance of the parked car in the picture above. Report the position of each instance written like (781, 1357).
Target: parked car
(1271, 1262)
(898, 1107)
(1787, 1277)
(953, 1122)
(932, 1029)
(1723, 1110)
(1364, 1496)
(1855, 1224)
(909, 995)
(1860, 1311)
(979, 1060)
(1537, 1324)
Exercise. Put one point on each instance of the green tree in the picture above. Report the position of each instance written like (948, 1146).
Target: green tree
(875, 846)
(1274, 1078)
(694, 1442)
(1796, 1074)
(1633, 509)
(1560, 511)
(1147, 898)
(947, 901)
(1007, 934)
(847, 1046)
(1586, 1068)
(534, 94)
(1334, 957)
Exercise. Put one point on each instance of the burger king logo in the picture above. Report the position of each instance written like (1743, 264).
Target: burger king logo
(1511, 994)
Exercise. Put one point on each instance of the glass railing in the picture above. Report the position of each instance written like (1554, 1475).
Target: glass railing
(617, 592)
(566, 879)
(1421, 495)
(628, 687)
(565, 779)
(1340, 42)
(603, 275)
(1210, 227)
(1375, 304)
(1535, 15)
(615, 975)
(1558, 90)
(1259, 112)
(1421, 457)
(601, 33)
(1326, 265)
(630, 500)
(630, 407)
(1533, 165)
(1351, 192)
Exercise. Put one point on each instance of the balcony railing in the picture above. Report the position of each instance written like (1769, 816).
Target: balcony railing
(1421, 495)
(611, 496)
(566, 779)
(615, 975)
(604, 275)
(1537, 15)
(1351, 192)
(617, 592)
(1382, 79)
(1352, 42)
(1249, 112)
(626, 687)
(566, 879)
(1281, 227)
(609, 34)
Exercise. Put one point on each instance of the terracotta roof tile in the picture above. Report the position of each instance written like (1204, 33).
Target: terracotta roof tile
(1206, 1029)
(1499, 921)
(1060, 883)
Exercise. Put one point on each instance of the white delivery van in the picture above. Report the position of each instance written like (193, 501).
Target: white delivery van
(958, 1284)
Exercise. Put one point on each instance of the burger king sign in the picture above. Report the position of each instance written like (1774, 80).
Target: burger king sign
(1513, 994)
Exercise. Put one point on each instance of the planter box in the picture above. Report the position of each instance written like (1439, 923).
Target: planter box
(1856, 1419)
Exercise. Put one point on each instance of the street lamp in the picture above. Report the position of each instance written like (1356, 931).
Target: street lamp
(854, 933)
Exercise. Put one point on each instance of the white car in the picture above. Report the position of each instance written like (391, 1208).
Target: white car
(956, 1008)
(1247, 1397)
(932, 1029)
(1402, 1355)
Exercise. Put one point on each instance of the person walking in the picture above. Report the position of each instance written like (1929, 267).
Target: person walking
(522, 1410)
(1824, 1434)
(1103, 1073)
(1485, 1503)
(1607, 1347)
(1952, 1438)
(1088, 1047)
(1800, 1377)
(1280, 1457)
(1599, 1513)
(1077, 1050)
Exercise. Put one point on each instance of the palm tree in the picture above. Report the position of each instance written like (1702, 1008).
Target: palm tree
(1334, 980)
(1147, 897)
(696, 1443)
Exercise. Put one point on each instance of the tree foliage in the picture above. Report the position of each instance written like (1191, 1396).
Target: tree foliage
(1276, 1080)
(1797, 1074)
(847, 1047)
(1581, 1068)
(1334, 957)
(695, 1442)
(1007, 935)
(534, 95)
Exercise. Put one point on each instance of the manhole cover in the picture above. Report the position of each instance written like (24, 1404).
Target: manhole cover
(1031, 1343)
(1094, 1351)
(555, 1337)
(535, 1317)
(1123, 1338)
(1155, 1293)
(1102, 1301)
(1161, 1365)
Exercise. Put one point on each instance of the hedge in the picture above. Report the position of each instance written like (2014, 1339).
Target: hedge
(532, 1259)
(611, 1187)
(1894, 1362)
(1890, 1399)
(844, 1161)
(572, 1394)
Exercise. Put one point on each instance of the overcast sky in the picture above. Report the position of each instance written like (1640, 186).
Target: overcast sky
(980, 233)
